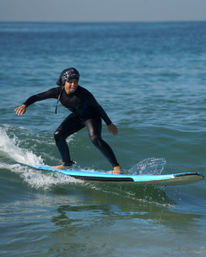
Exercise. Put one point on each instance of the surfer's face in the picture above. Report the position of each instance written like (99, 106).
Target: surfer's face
(71, 86)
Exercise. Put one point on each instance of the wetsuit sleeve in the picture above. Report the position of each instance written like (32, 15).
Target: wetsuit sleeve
(98, 108)
(51, 93)
(103, 114)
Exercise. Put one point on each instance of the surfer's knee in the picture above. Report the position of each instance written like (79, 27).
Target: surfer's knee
(57, 135)
(96, 140)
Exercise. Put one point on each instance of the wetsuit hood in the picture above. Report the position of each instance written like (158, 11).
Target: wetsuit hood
(67, 75)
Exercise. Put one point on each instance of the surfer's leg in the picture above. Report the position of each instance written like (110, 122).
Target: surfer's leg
(94, 127)
(69, 126)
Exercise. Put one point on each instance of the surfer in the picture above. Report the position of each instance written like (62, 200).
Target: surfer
(85, 112)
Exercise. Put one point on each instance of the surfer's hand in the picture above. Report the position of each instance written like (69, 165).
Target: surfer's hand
(112, 129)
(21, 109)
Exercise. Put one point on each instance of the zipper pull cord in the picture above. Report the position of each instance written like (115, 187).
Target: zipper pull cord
(58, 100)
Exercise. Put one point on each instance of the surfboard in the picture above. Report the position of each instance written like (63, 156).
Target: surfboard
(166, 179)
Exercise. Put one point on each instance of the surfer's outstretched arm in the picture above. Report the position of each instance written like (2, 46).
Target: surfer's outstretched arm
(20, 110)
(51, 93)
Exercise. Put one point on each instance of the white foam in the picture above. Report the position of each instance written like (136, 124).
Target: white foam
(9, 146)
(35, 178)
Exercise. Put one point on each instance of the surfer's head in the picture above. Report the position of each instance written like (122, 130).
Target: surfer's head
(67, 75)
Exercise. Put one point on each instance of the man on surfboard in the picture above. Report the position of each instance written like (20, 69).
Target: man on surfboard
(85, 112)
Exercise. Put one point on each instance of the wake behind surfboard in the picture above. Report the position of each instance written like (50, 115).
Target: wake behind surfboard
(167, 179)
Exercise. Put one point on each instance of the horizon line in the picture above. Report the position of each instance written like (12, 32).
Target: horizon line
(126, 21)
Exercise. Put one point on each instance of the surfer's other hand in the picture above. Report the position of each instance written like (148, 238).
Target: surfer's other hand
(112, 129)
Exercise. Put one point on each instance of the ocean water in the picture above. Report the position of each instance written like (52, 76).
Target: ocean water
(151, 80)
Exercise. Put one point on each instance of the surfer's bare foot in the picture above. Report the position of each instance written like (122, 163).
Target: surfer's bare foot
(117, 170)
(62, 167)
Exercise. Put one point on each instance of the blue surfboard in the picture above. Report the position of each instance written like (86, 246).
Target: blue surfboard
(167, 179)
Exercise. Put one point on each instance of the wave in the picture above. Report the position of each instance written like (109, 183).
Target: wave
(10, 148)
(21, 159)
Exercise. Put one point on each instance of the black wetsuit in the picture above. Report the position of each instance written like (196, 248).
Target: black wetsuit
(85, 112)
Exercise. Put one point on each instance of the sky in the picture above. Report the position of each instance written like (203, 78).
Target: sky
(102, 10)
